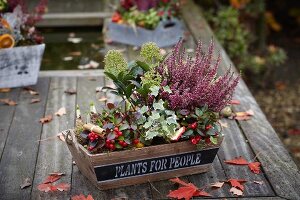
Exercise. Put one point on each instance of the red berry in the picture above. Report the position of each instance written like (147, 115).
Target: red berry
(111, 146)
(107, 141)
(194, 125)
(112, 141)
(198, 138)
(116, 129)
(120, 133)
(90, 148)
(208, 127)
(124, 144)
(107, 145)
(194, 141)
(136, 141)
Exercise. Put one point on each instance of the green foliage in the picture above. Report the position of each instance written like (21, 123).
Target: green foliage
(3, 5)
(148, 19)
(230, 32)
(160, 122)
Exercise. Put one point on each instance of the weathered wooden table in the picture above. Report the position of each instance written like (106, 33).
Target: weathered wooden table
(29, 149)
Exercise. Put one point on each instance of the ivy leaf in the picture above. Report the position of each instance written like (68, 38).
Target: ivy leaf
(167, 89)
(171, 120)
(154, 90)
(148, 124)
(198, 112)
(143, 109)
(238, 161)
(159, 105)
(155, 116)
(151, 134)
(124, 127)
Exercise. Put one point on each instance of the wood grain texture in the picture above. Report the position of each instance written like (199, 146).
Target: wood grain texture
(278, 165)
(20, 152)
(7, 113)
(235, 145)
(85, 94)
(53, 154)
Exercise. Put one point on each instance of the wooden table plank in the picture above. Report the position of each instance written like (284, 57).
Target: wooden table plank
(278, 165)
(54, 155)
(20, 152)
(86, 93)
(7, 114)
(234, 145)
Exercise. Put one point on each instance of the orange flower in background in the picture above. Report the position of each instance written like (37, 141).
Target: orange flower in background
(271, 21)
(116, 17)
(5, 24)
(6, 41)
(238, 4)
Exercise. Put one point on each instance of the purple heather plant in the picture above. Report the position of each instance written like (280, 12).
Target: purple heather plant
(194, 82)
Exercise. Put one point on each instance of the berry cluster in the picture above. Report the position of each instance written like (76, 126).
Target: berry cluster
(196, 139)
(93, 136)
(112, 144)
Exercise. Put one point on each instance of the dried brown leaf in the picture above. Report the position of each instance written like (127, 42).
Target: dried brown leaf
(236, 191)
(26, 183)
(8, 102)
(71, 91)
(217, 184)
(36, 100)
(46, 119)
(62, 111)
(5, 90)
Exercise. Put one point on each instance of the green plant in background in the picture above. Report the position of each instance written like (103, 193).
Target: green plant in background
(3, 5)
(230, 32)
(241, 30)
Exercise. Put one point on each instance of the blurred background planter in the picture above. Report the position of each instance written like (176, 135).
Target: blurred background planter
(19, 66)
(167, 33)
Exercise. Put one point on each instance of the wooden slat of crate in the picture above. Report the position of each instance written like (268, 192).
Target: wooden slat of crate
(53, 155)
(278, 165)
(21, 148)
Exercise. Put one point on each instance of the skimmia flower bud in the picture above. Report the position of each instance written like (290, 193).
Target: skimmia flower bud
(114, 62)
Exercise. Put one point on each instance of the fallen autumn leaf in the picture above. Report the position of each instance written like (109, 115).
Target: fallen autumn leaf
(35, 100)
(8, 102)
(236, 191)
(46, 119)
(26, 183)
(238, 161)
(62, 111)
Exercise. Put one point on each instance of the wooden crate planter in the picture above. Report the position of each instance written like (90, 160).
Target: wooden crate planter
(19, 66)
(167, 33)
(130, 167)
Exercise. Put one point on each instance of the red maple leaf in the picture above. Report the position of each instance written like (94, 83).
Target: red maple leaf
(184, 192)
(82, 197)
(254, 167)
(237, 183)
(187, 191)
(46, 187)
(238, 161)
(50, 187)
(52, 178)
(62, 186)
(201, 193)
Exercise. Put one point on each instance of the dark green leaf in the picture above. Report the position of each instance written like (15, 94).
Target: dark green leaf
(143, 65)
